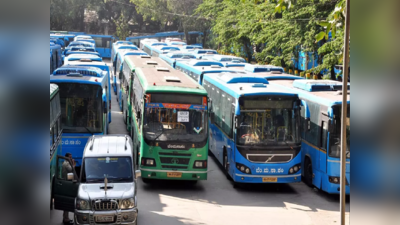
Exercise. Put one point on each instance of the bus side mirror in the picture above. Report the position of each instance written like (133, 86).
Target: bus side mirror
(307, 124)
(330, 126)
(212, 117)
(105, 107)
(236, 122)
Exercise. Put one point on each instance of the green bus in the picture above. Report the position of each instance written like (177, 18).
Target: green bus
(168, 120)
(55, 134)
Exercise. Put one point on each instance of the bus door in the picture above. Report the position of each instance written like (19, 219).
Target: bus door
(103, 45)
(323, 144)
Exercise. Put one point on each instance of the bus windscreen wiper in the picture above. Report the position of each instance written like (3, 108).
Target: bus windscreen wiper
(87, 128)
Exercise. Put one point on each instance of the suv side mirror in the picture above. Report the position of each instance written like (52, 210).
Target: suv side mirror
(70, 176)
(138, 173)
(212, 117)
(307, 124)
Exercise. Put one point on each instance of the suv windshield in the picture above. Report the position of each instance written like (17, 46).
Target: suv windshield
(276, 124)
(116, 169)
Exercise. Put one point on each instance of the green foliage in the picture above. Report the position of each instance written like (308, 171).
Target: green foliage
(122, 27)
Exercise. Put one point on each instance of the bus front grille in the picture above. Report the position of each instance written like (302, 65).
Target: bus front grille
(269, 158)
(173, 167)
(171, 160)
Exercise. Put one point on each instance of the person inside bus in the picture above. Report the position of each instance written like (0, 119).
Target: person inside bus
(279, 127)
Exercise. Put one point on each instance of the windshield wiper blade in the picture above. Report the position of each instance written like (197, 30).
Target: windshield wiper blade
(87, 128)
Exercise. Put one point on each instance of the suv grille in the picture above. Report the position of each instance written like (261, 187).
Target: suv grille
(105, 205)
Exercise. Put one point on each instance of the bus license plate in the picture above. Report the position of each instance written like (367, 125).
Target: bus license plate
(270, 179)
(174, 174)
(104, 219)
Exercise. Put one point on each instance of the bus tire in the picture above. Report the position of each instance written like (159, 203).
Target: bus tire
(308, 174)
(146, 180)
(226, 166)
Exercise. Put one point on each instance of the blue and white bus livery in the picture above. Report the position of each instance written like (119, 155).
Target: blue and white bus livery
(254, 129)
(84, 106)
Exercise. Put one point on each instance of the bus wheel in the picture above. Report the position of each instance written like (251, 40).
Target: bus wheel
(146, 180)
(226, 166)
(308, 173)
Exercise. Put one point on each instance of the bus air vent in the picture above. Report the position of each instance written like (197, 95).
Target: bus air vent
(85, 60)
(145, 56)
(74, 75)
(215, 66)
(164, 69)
(172, 79)
(259, 85)
(276, 71)
(151, 63)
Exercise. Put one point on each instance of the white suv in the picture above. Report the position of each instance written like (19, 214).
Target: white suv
(106, 189)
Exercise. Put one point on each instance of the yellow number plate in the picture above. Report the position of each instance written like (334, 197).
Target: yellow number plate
(270, 179)
(174, 174)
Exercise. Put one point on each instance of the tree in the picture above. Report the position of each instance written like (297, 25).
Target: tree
(122, 27)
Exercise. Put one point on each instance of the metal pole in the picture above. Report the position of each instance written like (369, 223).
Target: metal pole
(344, 116)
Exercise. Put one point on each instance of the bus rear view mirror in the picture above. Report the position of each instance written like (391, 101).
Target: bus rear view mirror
(105, 107)
(307, 124)
(212, 117)
(331, 126)
(236, 122)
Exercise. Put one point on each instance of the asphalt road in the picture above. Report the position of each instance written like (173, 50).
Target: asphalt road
(216, 202)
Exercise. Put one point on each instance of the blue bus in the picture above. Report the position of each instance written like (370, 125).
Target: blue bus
(55, 134)
(80, 52)
(254, 128)
(189, 48)
(63, 41)
(177, 43)
(236, 65)
(197, 68)
(321, 115)
(118, 43)
(84, 106)
(94, 62)
(121, 53)
(228, 58)
(82, 58)
(262, 68)
(149, 46)
(195, 37)
(200, 53)
(55, 57)
(173, 57)
(161, 50)
(119, 47)
(103, 44)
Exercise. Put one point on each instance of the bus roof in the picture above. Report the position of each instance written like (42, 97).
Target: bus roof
(262, 68)
(53, 90)
(123, 43)
(228, 58)
(276, 75)
(238, 85)
(79, 74)
(325, 92)
(83, 57)
(153, 70)
(126, 47)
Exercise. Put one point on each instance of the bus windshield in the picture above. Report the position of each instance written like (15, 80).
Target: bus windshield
(81, 108)
(185, 120)
(268, 122)
(334, 148)
(167, 124)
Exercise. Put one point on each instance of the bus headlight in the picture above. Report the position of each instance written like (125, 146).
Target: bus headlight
(294, 169)
(200, 164)
(148, 162)
(243, 168)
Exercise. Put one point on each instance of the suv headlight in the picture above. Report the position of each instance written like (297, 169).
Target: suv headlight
(82, 204)
(128, 203)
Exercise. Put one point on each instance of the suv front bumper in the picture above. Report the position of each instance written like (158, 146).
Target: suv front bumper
(88, 217)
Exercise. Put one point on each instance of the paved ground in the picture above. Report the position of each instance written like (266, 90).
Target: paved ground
(216, 202)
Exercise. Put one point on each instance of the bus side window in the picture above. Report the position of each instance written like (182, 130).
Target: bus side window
(324, 135)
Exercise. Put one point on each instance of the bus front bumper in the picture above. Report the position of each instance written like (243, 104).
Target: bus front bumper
(173, 175)
(246, 178)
